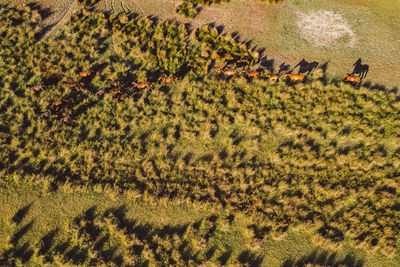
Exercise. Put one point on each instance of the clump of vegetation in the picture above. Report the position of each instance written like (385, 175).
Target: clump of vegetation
(191, 8)
(223, 49)
(272, 1)
(188, 9)
(307, 154)
(87, 4)
(167, 50)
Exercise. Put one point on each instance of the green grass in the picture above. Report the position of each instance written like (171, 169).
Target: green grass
(57, 210)
(312, 163)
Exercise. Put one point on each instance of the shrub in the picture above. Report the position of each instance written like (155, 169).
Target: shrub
(87, 4)
(188, 9)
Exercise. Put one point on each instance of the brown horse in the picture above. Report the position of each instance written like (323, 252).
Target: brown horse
(142, 85)
(229, 72)
(294, 77)
(252, 74)
(72, 85)
(165, 79)
(226, 72)
(115, 83)
(119, 94)
(101, 92)
(66, 118)
(37, 88)
(60, 106)
(272, 77)
(352, 79)
(86, 73)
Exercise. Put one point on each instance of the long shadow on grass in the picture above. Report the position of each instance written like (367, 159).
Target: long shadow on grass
(21, 213)
(21, 232)
(325, 258)
(47, 241)
(24, 253)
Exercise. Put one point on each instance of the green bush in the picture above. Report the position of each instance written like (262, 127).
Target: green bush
(188, 9)
(191, 8)
(87, 4)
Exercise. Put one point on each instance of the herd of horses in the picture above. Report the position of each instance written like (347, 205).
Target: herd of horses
(118, 89)
(121, 89)
(304, 70)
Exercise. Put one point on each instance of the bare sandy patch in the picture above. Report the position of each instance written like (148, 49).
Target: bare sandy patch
(323, 28)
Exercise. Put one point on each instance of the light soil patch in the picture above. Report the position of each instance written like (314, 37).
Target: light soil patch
(323, 28)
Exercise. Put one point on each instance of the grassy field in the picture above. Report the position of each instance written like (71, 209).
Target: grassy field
(211, 169)
(55, 212)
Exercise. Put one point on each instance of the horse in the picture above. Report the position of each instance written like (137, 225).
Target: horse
(252, 74)
(86, 73)
(361, 69)
(119, 94)
(142, 85)
(45, 114)
(294, 77)
(66, 118)
(226, 72)
(100, 92)
(220, 69)
(60, 106)
(272, 77)
(305, 66)
(166, 79)
(229, 72)
(352, 79)
(37, 88)
(72, 85)
(115, 83)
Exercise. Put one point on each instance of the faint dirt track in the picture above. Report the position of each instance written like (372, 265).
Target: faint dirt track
(61, 13)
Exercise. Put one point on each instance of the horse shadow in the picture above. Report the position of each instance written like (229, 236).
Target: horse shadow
(323, 68)
(306, 67)
(267, 64)
(283, 68)
(360, 69)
